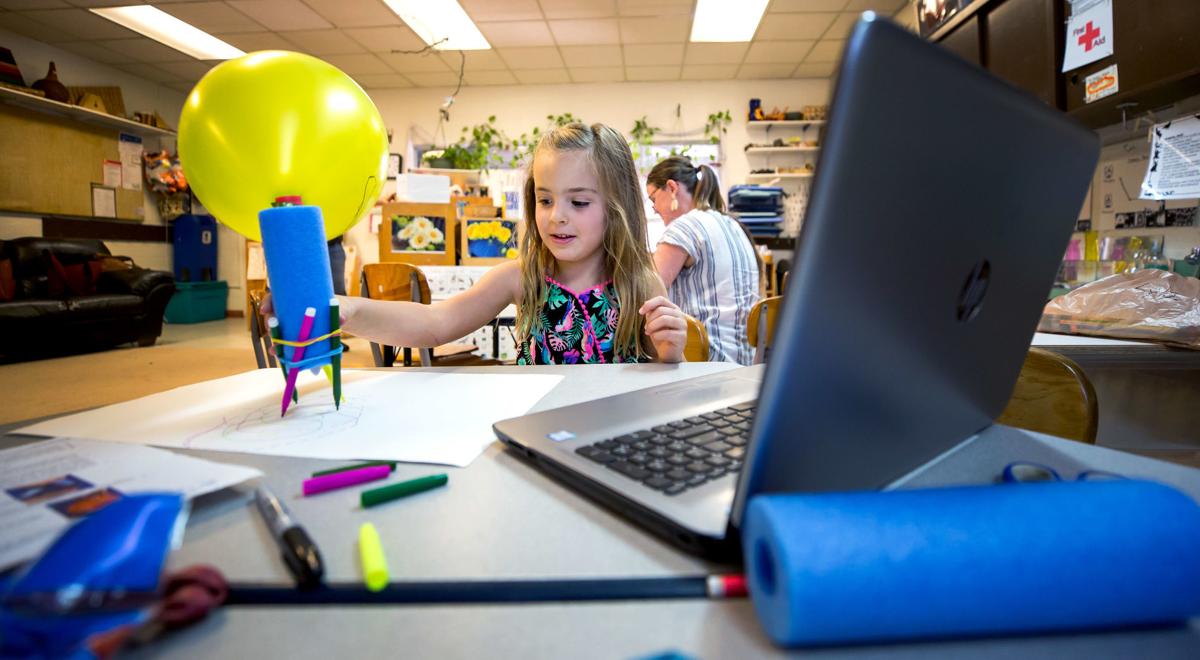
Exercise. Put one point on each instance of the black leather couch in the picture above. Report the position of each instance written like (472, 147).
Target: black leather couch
(121, 306)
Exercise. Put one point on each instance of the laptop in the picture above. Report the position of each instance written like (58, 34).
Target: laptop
(941, 207)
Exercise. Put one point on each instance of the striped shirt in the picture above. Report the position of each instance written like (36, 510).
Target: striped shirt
(721, 285)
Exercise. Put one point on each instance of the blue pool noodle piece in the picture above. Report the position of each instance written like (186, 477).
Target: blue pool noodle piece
(298, 266)
(827, 569)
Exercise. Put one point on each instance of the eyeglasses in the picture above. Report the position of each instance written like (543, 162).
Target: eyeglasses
(650, 195)
(1021, 471)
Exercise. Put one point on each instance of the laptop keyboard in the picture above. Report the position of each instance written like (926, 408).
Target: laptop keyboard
(679, 455)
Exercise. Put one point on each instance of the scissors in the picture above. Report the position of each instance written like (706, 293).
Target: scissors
(1024, 471)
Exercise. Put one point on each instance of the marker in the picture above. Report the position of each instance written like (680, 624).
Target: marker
(343, 479)
(370, 498)
(335, 322)
(276, 335)
(310, 315)
(299, 552)
(374, 563)
(357, 466)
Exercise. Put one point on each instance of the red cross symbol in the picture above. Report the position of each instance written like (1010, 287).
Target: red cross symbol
(1089, 35)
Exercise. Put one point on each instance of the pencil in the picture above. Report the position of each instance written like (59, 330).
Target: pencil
(276, 335)
(492, 591)
(310, 315)
(335, 322)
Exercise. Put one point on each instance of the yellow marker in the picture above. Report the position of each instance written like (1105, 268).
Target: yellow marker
(375, 572)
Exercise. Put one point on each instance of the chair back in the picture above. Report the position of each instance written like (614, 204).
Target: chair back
(395, 281)
(760, 327)
(696, 348)
(1053, 396)
(260, 336)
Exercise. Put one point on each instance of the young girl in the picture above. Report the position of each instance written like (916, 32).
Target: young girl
(585, 286)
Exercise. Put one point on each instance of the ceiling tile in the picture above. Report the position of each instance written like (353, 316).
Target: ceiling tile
(715, 53)
(427, 63)
(252, 41)
(543, 76)
(538, 57)
(825, 51)
(95, 52)
(584, 32)
(502, 10)
(281, 15)
(80, 24)
(351, 13)
(579, 8)
(652, 72)
(193, 70)
(382, 80)
(359, 64)
(476, 60)
(32, 4)
(806, 5)
(517, 33)
(794, 26)
(759, 71)
(323, 42)
(146, 50)
(653, 55)
(446, 79)
(841, 26)
(149, 72)
(30, 28)
(591, 56)
(885, 7)
(386, 39)
(656, 8)
(213, 17)
(654, 31)
(709, 71)
(489, 78)
(597, 74)
(778, 52)
(815, 70)
(82, 3)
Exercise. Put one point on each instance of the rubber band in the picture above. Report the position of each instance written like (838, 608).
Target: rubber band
(308, 342)
(310, 361)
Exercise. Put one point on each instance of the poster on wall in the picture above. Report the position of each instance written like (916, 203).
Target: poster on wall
(1173, 171)
(1089, 33)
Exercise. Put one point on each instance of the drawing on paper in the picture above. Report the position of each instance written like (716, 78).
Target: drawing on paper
(266, 429)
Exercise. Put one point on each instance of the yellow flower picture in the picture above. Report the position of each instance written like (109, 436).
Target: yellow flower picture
(491, 239)
(418, 233)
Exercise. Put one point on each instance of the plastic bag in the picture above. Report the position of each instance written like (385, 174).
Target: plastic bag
(1148, 304)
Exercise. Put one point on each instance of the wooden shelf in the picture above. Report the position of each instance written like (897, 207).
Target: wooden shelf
(77, 113)
(790, 175)
(787, 122)
(776, 150)
(441, 170)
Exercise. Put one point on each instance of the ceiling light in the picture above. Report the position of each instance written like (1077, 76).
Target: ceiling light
(442, 24)
(727, 20)
(170, 31)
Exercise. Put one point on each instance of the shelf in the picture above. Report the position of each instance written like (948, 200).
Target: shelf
(804, 175)
(776, 150)
(77, 113)
(787, 122)
(440, 170)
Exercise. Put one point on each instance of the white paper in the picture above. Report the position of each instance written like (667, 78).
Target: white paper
(1101, 84)
(112, 174)
(44, 486)
(424, 188)
(417, 417)
(104, 202)
(130, 148)
(1173, 171)
(1089, 33)
(256, 262)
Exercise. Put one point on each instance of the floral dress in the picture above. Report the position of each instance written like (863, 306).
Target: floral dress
(574, 328)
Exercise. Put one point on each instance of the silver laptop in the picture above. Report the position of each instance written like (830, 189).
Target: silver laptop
(940, 210)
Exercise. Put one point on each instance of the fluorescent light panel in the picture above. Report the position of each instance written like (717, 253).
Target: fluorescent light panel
(727, 20)
(170, 31)
(435, 20)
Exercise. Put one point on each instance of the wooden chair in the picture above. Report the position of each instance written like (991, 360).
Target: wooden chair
(260, 336)
(395, 281)
(1053, 396)
(760, 327)
(696, 349)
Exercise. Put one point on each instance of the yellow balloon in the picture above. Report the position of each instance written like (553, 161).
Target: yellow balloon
(276, 123)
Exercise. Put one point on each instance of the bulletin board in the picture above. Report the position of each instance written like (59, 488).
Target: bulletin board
(48, 165)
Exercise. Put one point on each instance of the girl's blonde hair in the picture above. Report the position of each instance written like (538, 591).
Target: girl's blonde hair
(626, 256)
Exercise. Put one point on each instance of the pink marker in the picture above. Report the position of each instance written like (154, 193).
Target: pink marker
(310, 315)
(344, 479)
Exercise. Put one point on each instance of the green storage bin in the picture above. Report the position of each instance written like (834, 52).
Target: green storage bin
(196, 302)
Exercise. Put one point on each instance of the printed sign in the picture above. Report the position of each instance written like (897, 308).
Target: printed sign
(1174, 168)
(1100, 84)
(1089, 34)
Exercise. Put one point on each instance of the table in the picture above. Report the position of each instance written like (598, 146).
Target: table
(499, 518)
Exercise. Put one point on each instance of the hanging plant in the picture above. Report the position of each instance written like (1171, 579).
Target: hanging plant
(718, 124)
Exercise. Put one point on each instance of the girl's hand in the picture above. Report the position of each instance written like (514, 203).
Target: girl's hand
(667, 328)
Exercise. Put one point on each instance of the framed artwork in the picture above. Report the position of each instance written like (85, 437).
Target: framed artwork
(489, 240)
(417, 233)
(395, 165)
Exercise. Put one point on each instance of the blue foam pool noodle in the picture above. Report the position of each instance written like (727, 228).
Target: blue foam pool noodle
(298, 267)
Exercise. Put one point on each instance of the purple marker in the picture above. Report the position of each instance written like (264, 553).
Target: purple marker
(344, 479)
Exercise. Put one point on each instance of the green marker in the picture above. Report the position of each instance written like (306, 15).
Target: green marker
(345, 468)
(335, 322)
(276, 335)
(370, 498)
